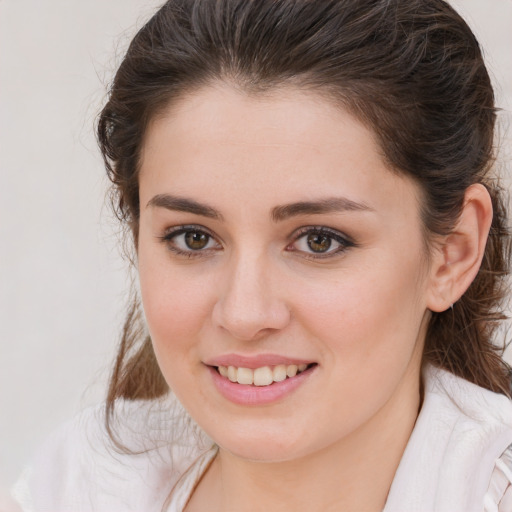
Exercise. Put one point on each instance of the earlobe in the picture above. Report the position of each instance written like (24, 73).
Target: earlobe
(457, 260)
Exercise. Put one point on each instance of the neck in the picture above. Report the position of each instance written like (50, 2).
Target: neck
(354, 474)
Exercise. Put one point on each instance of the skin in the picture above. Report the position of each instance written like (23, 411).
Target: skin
(359, 311)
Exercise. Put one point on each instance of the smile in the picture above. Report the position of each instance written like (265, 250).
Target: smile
(260, 385)
(263, 376)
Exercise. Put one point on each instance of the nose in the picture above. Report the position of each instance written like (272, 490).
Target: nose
(248, 304)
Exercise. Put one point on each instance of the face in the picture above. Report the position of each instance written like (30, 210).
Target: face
(276, 248)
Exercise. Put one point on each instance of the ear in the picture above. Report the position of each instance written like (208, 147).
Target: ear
(457, 261)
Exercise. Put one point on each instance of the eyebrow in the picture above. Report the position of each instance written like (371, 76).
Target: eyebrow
(183, 204)
(328, 205)
(279, 213)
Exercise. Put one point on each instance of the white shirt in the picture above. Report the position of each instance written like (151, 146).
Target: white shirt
(456, 459)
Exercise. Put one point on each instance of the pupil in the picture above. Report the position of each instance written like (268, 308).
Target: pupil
(195, 240)
(319, 243)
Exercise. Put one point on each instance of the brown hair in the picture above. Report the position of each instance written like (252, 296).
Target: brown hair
(411, 70)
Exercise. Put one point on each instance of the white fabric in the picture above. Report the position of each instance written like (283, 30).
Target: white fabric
(80, 470)
(459, 442)
(183, 489)
(499, 493)
(460, 432)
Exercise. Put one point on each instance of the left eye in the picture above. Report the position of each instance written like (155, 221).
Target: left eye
(196, 240)
(187, 240)
(320, 242)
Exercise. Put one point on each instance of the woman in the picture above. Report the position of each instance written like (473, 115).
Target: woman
(321, 251)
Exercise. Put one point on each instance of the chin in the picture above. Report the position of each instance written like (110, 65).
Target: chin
(263, 444)
(264, 452)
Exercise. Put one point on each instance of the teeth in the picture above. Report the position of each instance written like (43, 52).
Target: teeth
(244, 376)
(279, 373)
(291, 370)
(263, 376)
(232, 373)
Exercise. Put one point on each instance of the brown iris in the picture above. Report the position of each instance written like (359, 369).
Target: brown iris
(196, 240)
(318, 242)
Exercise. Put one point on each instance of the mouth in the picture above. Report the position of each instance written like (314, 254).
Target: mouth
(263, 376)
(258, 380)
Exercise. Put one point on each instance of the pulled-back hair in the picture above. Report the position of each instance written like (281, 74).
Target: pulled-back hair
(410, 70)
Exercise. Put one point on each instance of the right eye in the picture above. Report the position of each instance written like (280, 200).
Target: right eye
(190, 241)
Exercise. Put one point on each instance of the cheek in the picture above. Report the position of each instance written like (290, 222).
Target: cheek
(367, 312)
(176, 306)
(367, 327)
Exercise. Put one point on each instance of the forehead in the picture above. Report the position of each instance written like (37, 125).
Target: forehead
(285, 116)
(286, 145)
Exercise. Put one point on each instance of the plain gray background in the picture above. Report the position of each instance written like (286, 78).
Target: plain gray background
(62, 281)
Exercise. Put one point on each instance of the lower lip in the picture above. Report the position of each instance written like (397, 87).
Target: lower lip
(243, 394)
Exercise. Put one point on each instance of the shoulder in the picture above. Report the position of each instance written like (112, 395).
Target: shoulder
(468, 400)
(80, 468)
(499, 494)
(484, 420)
(453, 456)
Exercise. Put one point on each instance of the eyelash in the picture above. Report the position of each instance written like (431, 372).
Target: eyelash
(169, 239)
(344, 242)
(333, 235)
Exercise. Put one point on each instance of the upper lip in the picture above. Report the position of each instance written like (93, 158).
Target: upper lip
(255, 361)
